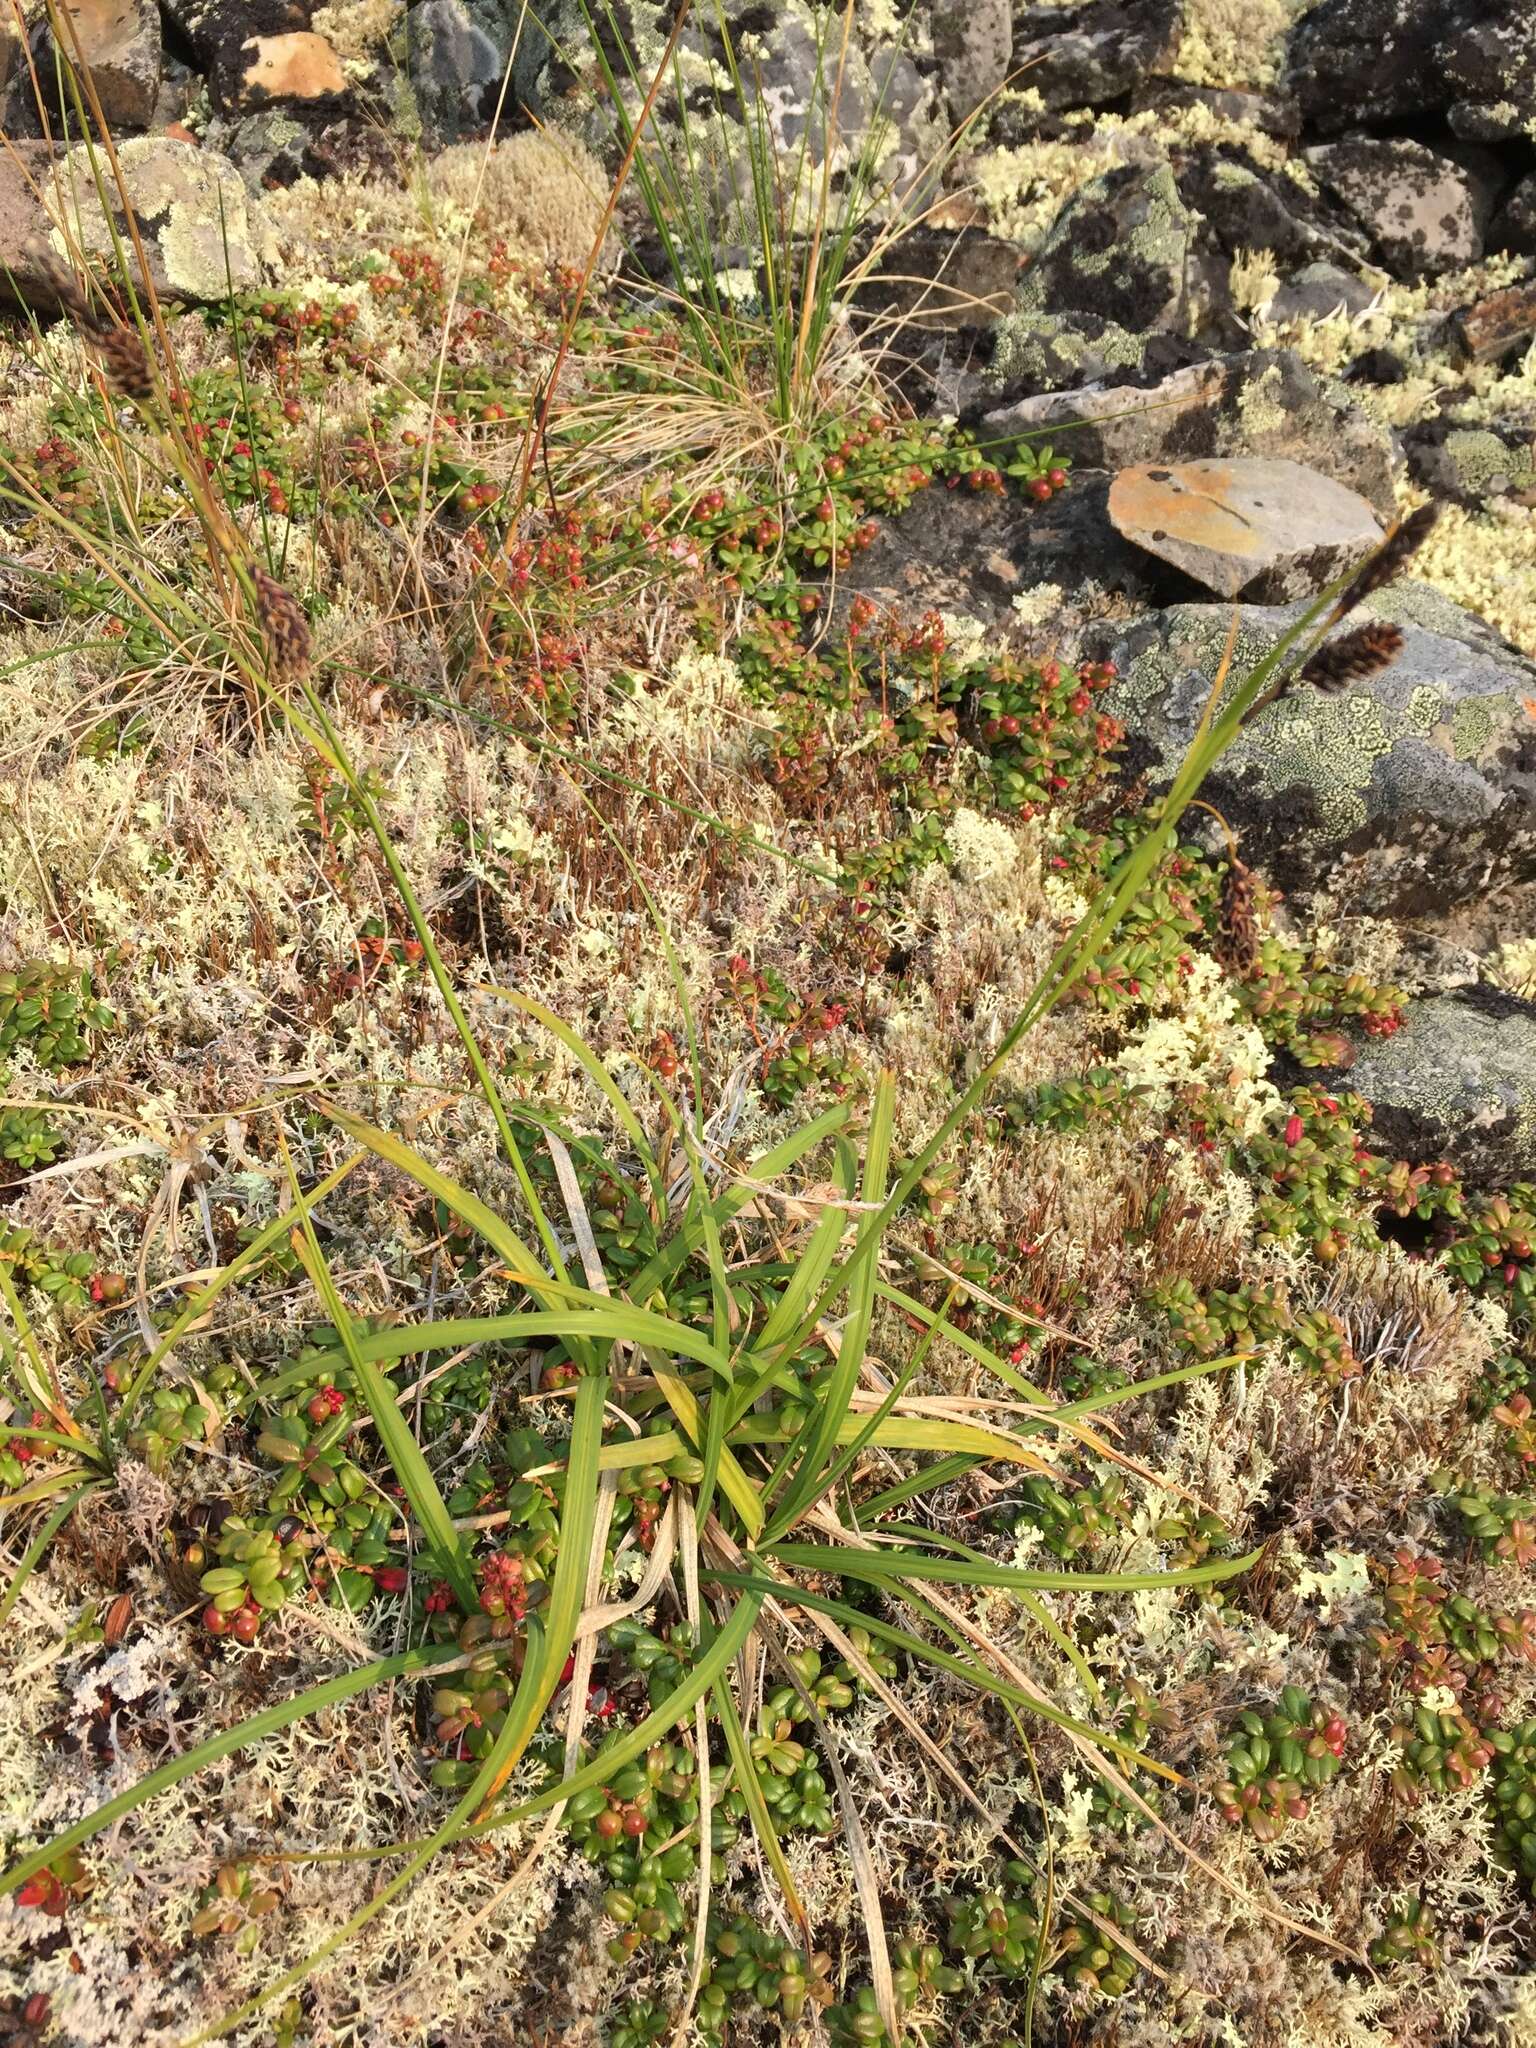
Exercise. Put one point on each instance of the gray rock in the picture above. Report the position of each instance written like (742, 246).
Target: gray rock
(1119, 251)
(1458, 1082)
(1264, 530)
(1084, 56)
(1409, 793)
(1263, 402)
(1420, 210)
(456, 59)
(1320, 290)
(973, 42)
(254, 53)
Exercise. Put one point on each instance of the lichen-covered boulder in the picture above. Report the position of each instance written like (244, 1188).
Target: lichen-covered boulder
(1262, 402)
(1405, 794)
(1458, 1082)
(200, 227)
(1472, 461)
(1245, 527)
(1120, 250)
(1423, 213)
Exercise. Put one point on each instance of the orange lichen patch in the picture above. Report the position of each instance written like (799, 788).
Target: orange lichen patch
(300, 66)
(1193, 503)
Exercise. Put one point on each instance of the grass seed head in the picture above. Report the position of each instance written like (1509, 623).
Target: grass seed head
(1364, 652)
(124, 362)
(285, 625)
(1391, 558)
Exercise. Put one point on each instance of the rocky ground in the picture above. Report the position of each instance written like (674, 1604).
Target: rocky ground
(772, 749)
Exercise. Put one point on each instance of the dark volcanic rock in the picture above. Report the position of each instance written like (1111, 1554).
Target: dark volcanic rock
(1263, 402)
(1086, 56)
(1377, 61)
(1514, 226)
(972, 555)
(1420, 210)
(1247, 206)
(258, 53)
(1457, 1082)
(1407, 794)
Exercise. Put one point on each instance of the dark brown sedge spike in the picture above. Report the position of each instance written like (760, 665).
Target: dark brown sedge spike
(124, 362)
(1237, 932)
(1390, 559)
(1357, 655)
(285, 625)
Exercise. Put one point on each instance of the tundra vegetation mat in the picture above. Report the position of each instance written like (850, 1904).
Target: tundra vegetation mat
(717, 1321)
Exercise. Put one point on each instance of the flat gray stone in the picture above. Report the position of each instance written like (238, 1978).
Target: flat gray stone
(1249, 527)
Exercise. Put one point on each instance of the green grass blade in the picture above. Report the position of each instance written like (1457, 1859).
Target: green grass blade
(881, 1567)
(52, 1523)
(595, 1071)
(449, 1557)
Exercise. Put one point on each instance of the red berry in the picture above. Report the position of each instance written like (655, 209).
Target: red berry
(1293, 1130)
(216, 1623)
(1040, 489)
(390, 1578)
